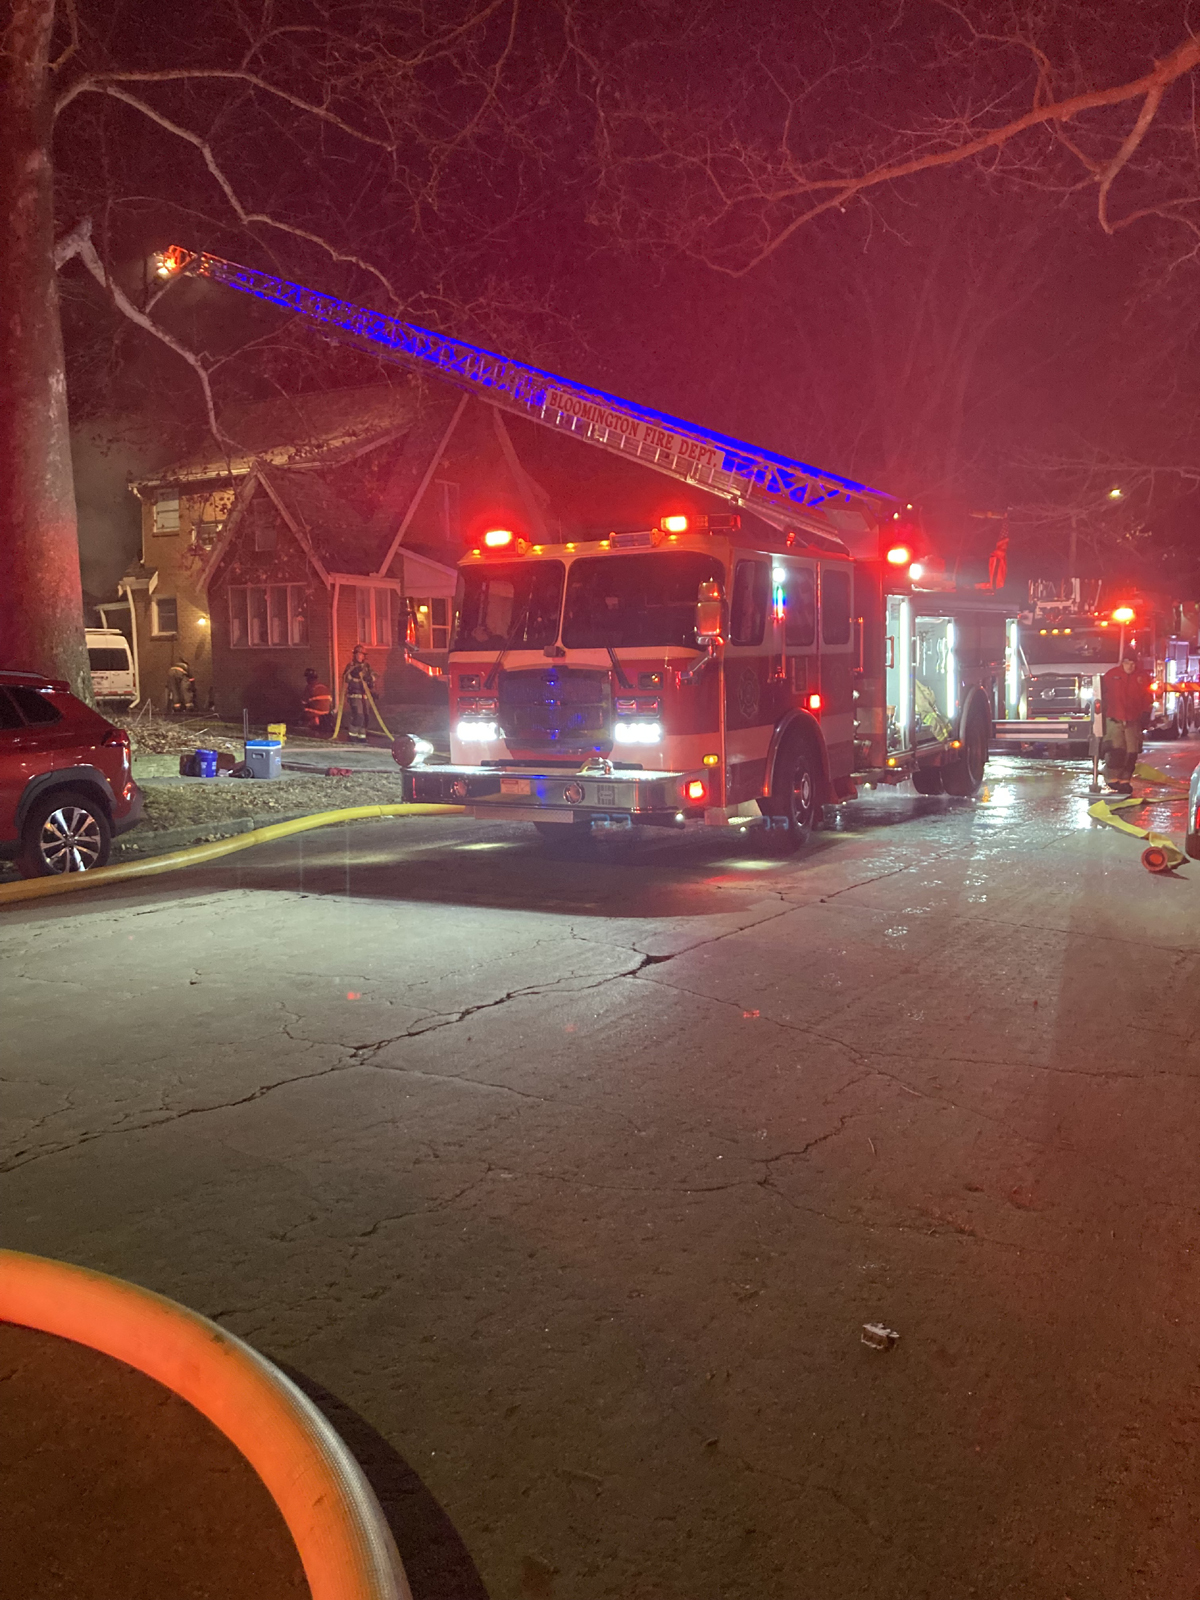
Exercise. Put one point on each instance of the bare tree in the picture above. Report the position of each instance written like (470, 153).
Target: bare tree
(862, 99)
(384, 146)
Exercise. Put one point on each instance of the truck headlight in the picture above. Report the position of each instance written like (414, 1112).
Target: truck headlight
(638, 732)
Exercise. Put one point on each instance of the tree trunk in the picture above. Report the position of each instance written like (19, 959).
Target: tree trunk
(41, 597)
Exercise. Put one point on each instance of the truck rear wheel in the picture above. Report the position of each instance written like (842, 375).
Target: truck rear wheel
(964, 776)
(928, 780)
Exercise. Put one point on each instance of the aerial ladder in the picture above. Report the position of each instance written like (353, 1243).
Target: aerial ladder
(832, 512)
(902, 677)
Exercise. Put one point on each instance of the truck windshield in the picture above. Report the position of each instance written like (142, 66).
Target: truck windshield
(512, 603)
(635, 601)
(1082, 645)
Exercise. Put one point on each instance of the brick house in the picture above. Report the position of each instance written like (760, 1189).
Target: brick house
(340, 519)
(296, 578)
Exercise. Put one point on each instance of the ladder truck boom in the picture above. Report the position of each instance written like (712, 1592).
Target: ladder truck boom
(785, 493)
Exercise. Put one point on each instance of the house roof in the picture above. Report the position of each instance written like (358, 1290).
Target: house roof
(325, 427)
(333, 534)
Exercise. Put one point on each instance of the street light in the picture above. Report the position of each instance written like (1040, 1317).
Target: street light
(1116, 494)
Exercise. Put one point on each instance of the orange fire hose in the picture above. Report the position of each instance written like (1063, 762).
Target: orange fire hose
(344, 1543)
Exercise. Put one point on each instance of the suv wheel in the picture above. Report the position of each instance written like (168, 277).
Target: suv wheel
(64, 832)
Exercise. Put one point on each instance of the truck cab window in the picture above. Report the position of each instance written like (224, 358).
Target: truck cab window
(509, 603)
(835, 606)
(751, 597)
(800, 628)
(635, 602)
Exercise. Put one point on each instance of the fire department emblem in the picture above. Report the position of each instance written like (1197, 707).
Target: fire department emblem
(748, 693)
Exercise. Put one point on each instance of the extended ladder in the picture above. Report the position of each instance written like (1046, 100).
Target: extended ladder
(786, 493)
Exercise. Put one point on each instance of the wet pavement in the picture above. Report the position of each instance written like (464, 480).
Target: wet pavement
(574, 1177)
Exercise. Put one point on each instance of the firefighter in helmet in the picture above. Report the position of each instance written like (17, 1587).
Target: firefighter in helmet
(358, 681)
(318, 703)
(1125, 695)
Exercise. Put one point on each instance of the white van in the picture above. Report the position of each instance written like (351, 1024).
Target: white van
(112, 665)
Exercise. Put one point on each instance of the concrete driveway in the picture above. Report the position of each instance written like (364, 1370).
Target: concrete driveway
(570, 1181)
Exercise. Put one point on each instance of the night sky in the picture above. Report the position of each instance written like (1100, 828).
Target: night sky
(589, 187)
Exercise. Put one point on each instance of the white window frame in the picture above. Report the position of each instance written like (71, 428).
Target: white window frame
(166, 513)
(426, 629)
(374, 606)
(157, 631)
(295, 610)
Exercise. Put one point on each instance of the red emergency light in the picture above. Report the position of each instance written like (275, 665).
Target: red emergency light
(498, 538)
(1123, 614)
(696, 790)
(899, 555)
(674, 524)
(813, 702)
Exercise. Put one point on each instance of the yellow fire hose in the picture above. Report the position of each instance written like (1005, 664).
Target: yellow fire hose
(195, 855)
(342, 706)
(1161, 855)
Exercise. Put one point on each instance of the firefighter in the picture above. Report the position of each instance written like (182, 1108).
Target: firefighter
(318, 703)
(357, 681)
(1125, 697)
(181, 686)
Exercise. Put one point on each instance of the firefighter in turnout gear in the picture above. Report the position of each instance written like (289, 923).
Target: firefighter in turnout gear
(357, 682)
(318, 703)
(1125, 694)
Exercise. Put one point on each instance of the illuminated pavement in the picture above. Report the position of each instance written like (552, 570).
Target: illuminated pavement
(576, 1179)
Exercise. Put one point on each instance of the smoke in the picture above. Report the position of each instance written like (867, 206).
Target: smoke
(107, 453)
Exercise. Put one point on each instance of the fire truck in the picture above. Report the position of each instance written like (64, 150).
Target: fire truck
(1067, 640)
(744, 669)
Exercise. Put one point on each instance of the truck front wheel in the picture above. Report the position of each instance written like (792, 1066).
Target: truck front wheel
(797, 790)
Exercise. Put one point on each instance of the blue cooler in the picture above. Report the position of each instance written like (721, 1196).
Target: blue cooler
(264, 757)
(206, 763)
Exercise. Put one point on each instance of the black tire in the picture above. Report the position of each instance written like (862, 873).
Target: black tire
(964, 776)
(928, 780)
(67, 831)
(796, 798)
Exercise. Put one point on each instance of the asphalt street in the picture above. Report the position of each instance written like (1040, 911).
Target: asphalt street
(569, 1181)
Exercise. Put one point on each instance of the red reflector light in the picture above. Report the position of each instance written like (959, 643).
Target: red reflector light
(813, 702)
(674, 524)
(899, 555)
(498, 538)
(696, 790)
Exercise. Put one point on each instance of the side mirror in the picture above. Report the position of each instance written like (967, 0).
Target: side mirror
(710, 612)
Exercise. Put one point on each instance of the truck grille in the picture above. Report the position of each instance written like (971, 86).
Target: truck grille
(1051, 693)
(556, 708)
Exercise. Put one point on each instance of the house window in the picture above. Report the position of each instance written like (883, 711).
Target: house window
(166, 616)
(166, 513)
(268, 616)
(429, 624)
(374, 613)
(264, 535)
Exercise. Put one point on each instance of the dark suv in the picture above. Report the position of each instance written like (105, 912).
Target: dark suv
(65, 781)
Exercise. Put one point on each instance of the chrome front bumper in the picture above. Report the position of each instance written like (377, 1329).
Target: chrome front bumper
(531, 794)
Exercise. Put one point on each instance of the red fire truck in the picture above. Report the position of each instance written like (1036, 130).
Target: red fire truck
(743, 669)
(701, 673)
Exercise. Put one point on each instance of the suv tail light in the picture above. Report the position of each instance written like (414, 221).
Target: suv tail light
(117, 737)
